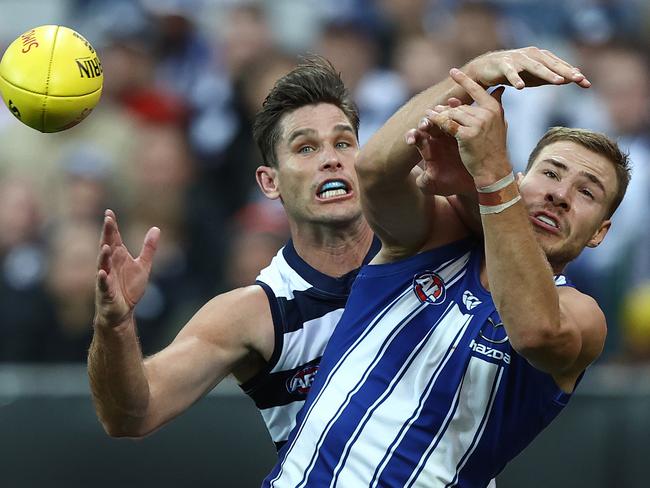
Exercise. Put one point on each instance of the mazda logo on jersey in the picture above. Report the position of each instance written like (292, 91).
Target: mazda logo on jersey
(429, 288)
(493, 331)
(302, 380)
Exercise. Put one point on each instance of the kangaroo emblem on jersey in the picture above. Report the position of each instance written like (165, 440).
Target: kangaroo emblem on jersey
(470, 301)
(429, 288)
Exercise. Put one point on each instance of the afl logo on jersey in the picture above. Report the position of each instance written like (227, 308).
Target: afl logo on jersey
(301, 381)
(429, 288)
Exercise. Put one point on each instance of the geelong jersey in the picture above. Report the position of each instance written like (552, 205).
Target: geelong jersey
(305, 305)
(418, 386)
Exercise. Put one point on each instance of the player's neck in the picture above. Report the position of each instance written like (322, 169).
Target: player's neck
(333, 251)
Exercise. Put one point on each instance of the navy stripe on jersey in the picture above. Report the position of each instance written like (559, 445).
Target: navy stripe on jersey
(305, 306)
(277, 390)
(321, 281)
(276, 316)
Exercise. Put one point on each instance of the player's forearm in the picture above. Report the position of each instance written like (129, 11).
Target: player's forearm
(522, 286)
(117, 378)
(386, 153)
(466, 207)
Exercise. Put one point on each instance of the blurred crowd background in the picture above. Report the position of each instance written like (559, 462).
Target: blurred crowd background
(170, 144)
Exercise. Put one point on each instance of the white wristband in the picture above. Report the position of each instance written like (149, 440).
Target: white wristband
(494, 209)
(498, 185)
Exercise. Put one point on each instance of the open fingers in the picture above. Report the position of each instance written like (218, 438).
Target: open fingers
(562, 67)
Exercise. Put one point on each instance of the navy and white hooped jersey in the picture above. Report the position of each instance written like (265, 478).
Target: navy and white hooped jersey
(305, 305)
(418, 386)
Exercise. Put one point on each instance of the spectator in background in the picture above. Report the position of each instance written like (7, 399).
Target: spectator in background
(24, 308)
(259, 230)
(86, 191)
(415, 74)
(352, 48)
(72, 257)
(163, 177)
(477, 27)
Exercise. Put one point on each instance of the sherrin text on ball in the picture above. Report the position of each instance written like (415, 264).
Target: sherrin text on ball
(51, 78)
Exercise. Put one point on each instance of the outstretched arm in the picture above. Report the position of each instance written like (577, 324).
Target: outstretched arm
(134, 396)
(558, 331)
(400, 215)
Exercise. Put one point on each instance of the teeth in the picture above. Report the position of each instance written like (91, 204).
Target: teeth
(546, 220)
(333, 185)
(332, 193)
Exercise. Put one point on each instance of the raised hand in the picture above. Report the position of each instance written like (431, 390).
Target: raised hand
(443, 172)
(480, 130)
(121, 279)
(524, 67)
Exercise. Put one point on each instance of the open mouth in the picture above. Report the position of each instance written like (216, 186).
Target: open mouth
(547, 222)
(333, 189)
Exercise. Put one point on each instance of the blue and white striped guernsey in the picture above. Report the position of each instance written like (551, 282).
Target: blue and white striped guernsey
(418, 386)
(305, 305)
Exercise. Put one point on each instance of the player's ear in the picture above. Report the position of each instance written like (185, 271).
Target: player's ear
(266, 177)
(600, 233)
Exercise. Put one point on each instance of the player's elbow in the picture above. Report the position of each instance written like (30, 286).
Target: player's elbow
(373, 177)
(125, 427)
(550, 349)
(365, 166)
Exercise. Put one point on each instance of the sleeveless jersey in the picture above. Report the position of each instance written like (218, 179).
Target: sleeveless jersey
(305, 305)
(418, 386)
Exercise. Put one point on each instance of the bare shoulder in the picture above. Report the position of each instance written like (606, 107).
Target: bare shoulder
(583, 313)
(240, 318)
(584, 310)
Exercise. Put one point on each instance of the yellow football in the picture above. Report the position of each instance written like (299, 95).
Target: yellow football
(50, 78)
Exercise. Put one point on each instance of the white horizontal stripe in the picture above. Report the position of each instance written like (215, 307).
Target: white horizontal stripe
(387, 420)
(282, 278)
(308, 342)
(474, 404)
(280, 420)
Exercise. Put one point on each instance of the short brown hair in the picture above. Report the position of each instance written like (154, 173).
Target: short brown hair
(311, 82)
(596, 142)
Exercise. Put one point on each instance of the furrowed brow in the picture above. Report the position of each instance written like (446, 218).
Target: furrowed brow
(343, 128)
(594, 179)
(300, 132)
(557, 164)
